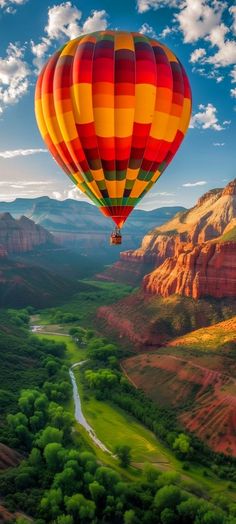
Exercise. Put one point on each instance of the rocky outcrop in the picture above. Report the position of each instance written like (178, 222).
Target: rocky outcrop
(196, 271)
(20, 236)
(180, 257)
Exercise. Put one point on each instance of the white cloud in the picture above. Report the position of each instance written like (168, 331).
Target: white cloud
(233, 92)
(218, 144)
(73, 193)
(194, 184)
(197, 18)
(213, 75)
(64, 23)
(232, 11)
(9, 5)
(233, 75)
(14, 76)
(145, 5)
(197, 54)
(148, 30)
(97, 21)
(226, 54)
(63, 19)
(206, 118)
(39, 51)
(12, 153)
(166, 31)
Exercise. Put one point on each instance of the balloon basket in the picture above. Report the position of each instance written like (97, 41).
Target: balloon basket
(115, 238)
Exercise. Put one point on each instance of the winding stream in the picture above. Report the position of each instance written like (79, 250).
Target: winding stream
(79, 416)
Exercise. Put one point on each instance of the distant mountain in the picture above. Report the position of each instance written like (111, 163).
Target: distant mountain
(21, 235)
(23, 284)
(81, 223)
(33, 269)
(192, 254)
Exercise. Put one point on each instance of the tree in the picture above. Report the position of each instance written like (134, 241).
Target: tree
(130, 517)
(80, 507)
(103, 379)
(213, 517)
(27, 400)
(151, 473)
(54, 454)
(97, 491)
(168, 516)
(188, 509)
(107, 477)
(167, 497)
(35, 458)
(50, 435)
(182, 445)
(64, 519)
(124, 454)
(50, 503)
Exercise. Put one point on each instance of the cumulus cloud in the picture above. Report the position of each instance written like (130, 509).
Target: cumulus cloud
(194, 184)
(145, 5)
(10, 5)
(201, 19)
(197, 54)
(226, 53)
(206, 118)
(14, 76)
(64, 23)
(63, 19)
(12, 153)
(148, 30)
(197, 18)
(218, 144)
(232, 11)
(73, 193)
(233, 75)
(233, 92)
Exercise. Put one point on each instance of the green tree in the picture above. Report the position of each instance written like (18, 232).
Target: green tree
(80, 507)
(130, 517)
(64, 519)
(167, 497)
(168, 516)
(97, 491)
(50, 435)
(107, 477)
(54, 455)
(182, 444)
(124, 454)
(51, 502)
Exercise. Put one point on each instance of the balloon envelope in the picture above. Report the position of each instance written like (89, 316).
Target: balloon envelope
(113, 108)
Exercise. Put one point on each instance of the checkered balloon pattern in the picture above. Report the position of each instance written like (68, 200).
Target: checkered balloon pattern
(113, 108)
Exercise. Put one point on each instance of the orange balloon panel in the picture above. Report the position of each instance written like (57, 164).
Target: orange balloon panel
(113, 108)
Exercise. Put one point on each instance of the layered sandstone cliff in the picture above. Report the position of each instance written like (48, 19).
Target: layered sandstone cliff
(196, 271)
(20, 236)
(186, 255)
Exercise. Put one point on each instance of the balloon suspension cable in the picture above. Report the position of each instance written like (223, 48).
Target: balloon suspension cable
(116, 237)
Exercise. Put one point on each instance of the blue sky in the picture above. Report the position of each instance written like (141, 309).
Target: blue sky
(202, 35)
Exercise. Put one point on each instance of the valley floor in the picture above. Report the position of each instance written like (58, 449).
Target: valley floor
(113, 426)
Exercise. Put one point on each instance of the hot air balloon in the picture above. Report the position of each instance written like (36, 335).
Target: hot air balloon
(113, 108)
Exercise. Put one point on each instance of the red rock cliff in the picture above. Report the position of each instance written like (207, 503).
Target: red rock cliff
(180, 257)
(204, 270)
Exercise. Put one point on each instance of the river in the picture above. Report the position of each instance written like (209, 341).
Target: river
(79, 416)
